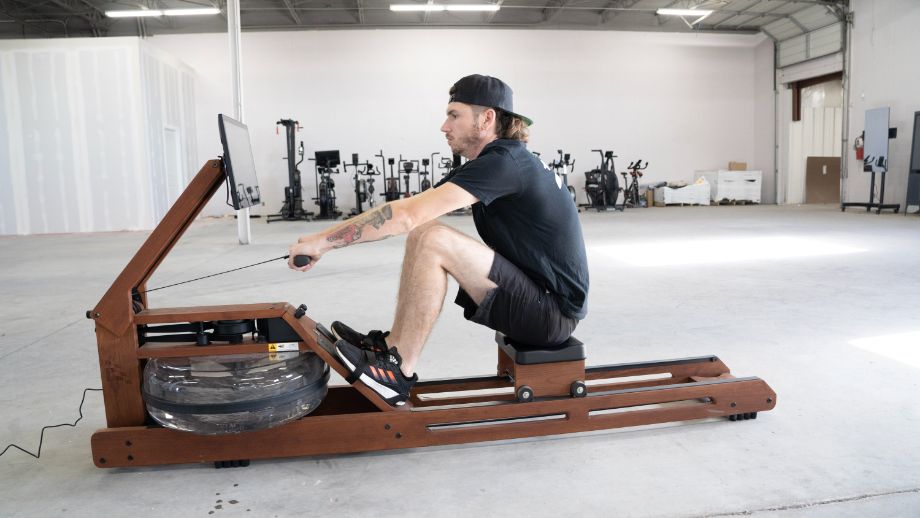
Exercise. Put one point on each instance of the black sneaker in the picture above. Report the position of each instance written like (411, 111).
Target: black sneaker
(378, 370)
(372, 341)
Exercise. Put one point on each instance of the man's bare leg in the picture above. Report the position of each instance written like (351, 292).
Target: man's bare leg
(434, 251)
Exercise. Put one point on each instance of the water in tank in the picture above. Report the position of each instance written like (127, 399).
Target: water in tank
(233, 393)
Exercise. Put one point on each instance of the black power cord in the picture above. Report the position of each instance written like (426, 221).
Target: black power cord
(42, 438)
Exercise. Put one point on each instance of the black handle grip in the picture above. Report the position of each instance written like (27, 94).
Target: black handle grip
(301, 260)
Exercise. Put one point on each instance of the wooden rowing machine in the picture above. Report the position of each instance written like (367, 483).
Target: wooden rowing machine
(534, 392)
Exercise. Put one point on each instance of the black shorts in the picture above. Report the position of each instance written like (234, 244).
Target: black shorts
(518, 307)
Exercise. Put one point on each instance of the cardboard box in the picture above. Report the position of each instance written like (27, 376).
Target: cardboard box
(737, 166)
(822, 179)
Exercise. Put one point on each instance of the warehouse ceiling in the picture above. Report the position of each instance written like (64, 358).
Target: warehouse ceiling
(778, 19)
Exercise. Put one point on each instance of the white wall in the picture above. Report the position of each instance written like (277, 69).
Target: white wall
(885, 71)
(172, 137)
(68, 112)
(74, 135)
(682, 102)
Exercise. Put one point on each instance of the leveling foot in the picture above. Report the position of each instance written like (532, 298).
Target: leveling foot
(231, 463)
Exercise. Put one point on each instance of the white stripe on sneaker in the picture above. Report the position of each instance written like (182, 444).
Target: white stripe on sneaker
(386, 392)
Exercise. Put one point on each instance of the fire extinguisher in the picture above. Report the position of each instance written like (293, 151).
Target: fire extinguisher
(859, 144)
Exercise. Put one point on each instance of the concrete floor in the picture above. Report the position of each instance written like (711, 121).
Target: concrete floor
(820, 304)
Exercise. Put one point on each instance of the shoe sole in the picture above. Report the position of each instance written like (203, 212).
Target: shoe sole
(381, 390)
(335, 333)
(340, 337)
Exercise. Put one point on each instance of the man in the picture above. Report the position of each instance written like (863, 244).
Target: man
(530, 278)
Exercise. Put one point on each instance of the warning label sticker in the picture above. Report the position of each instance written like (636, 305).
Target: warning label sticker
(283, 346)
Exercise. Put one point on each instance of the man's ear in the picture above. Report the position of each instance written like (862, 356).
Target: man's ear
(489, 116)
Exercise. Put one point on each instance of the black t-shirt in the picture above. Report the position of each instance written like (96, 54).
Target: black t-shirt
(526, 215)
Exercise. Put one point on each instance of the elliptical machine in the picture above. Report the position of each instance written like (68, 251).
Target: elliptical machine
(292, 208)
(364, 189)
(391, 182)
(601, 184)
(326, 164)
(561, 166)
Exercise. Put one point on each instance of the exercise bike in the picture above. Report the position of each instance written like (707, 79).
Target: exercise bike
(561, 166)
(408, 167)
(364, 188)
(446, 165)
(391, 182)
(601, 184)
(631, 196)
(326, 164)
(292, 208)
(424, 183)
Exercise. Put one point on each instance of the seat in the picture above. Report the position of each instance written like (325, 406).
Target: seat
(523, 354)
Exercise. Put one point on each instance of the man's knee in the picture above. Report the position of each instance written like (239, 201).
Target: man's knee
(416, 233)
(432, 237)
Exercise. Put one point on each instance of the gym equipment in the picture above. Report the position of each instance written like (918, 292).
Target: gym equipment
(601, 184)
(391, 183)
(364, 188)
(326, 164)
(913, 175)
(292, 208)
(407, 167)
(423, 182)
(445, 165)
(631, 196)
(233, 393)
(533, 392)
(241, 181)
(876, 159)
(561, 166)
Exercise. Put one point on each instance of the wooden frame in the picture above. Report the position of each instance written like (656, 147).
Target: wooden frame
(354, 418)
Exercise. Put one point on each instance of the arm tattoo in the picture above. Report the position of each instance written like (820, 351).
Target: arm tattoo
(352, 233)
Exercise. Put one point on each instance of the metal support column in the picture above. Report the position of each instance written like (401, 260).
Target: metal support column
(244, 231)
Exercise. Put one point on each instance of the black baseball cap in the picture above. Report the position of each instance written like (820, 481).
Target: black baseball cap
(485, 91)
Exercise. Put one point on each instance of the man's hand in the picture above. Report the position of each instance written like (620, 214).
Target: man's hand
(309, 246)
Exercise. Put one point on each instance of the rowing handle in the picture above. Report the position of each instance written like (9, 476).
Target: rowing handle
(301, 260)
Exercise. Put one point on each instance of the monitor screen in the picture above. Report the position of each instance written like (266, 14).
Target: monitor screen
(238, 162)
(327, 158)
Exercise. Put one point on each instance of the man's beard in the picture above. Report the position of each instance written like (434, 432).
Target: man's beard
(462, 144)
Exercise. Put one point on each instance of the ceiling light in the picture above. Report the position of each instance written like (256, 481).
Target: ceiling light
(415, 7)
(684, 12)
(134, 14)
(191, 12)
(441, 7)
(473, 7)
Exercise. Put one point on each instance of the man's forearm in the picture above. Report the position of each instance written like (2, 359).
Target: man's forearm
(373, 225)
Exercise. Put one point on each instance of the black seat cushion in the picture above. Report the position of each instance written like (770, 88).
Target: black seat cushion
(570, 350)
